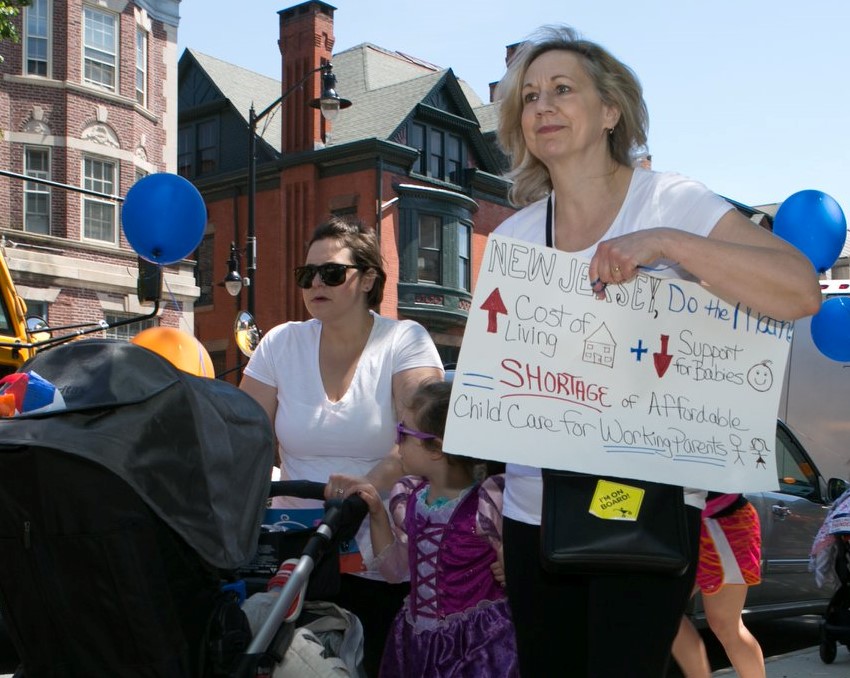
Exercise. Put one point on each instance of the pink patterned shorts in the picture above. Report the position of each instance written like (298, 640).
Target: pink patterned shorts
(730, 550)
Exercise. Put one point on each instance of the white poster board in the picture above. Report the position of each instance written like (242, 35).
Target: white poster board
(659, 381)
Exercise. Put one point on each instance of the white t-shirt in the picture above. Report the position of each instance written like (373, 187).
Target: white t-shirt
(317, 437)
(654, 200)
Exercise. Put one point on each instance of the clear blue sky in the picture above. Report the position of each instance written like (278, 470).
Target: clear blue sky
(751, 97)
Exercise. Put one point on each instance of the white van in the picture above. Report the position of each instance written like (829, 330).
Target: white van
(815, 400)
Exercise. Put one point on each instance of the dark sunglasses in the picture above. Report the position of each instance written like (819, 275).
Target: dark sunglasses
(401, 430)
(332, 274)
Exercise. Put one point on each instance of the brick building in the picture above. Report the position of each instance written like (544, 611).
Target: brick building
(414, 157)
(87, 100)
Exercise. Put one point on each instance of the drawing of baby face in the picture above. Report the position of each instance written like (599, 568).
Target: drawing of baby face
(760, 376)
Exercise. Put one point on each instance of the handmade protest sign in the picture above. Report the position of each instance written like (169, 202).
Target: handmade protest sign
(660, 381)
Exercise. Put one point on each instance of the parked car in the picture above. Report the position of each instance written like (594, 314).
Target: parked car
(790, 518)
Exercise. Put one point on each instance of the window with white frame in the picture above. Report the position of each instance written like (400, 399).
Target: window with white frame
(99, 215)
(128, 331)
(100, 48)
(141, 66)
(37, 38)
(36, 195)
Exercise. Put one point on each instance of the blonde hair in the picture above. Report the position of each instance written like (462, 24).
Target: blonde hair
(616, 83)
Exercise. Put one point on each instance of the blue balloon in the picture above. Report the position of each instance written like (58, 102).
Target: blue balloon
(831, 329)
(813, 222)
(164, 217)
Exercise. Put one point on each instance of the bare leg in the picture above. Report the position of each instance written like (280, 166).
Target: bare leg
(723, 612)
(689, 651)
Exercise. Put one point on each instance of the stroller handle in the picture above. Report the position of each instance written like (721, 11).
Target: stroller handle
(302, 489)
(343, 517)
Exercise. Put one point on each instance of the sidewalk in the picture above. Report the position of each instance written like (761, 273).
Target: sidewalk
(802, 664)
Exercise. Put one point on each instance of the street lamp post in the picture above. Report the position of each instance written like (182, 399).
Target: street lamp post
(330, 104)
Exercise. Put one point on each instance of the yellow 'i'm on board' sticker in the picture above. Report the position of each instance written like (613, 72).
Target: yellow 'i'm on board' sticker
(615, 501)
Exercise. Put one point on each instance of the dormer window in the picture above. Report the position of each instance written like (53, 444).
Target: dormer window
(440, 152)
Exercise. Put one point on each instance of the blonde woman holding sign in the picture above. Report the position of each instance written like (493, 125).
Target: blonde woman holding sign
(571, 116)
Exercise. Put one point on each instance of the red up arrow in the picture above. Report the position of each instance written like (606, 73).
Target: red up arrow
(662, 360)
(493, 305)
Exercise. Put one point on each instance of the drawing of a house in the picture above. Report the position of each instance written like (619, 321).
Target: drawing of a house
(600, 347)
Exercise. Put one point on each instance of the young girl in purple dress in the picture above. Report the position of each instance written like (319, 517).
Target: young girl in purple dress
(444, 532)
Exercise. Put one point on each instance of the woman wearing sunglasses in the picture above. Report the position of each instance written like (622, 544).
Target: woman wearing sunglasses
(334, 388)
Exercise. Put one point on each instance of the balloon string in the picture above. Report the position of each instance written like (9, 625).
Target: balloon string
(201, 361)
(189, 330)
(177, 307)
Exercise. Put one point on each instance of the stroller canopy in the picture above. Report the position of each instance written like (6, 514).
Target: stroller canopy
(197, 451)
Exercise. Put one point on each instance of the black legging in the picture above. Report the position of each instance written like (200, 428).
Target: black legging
(602, 625)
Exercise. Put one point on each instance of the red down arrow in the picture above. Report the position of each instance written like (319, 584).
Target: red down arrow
(662, 359)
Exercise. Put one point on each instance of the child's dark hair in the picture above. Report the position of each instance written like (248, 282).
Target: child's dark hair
(430, 407)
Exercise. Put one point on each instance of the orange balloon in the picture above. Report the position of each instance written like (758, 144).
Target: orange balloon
(180, 348)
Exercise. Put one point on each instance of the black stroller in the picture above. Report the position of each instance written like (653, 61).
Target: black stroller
(830, 561)
(120, 514)
(124, 513)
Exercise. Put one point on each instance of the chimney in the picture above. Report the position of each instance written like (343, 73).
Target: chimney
(509, 54)
(306, 42)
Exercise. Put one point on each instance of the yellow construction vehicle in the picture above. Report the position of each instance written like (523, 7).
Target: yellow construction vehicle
(14, 337)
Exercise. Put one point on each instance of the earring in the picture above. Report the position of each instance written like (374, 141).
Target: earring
(610, 131)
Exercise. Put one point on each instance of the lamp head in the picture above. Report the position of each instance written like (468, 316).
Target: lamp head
(233, 281)
(330, 103)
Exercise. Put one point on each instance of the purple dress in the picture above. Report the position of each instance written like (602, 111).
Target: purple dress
(456, 621)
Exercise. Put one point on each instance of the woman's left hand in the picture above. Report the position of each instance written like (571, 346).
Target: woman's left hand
(340, 486)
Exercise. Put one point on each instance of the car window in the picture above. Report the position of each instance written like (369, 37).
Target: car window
(796, 475)
(5, 325)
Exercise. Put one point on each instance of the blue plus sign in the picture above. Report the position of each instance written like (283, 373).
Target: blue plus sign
(639, 350)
